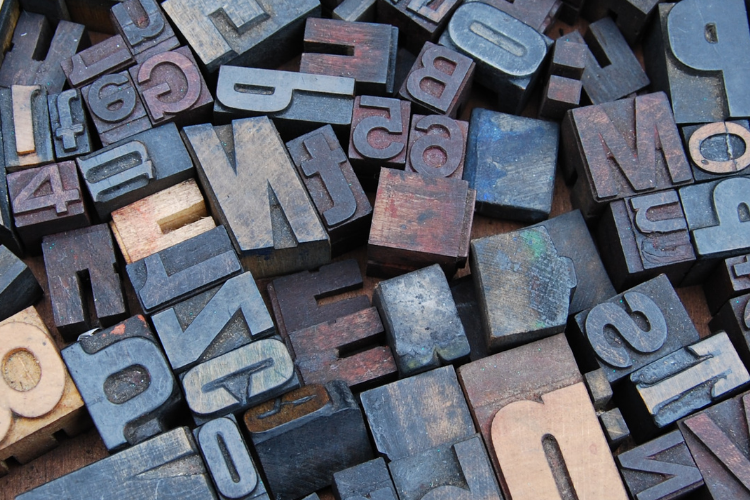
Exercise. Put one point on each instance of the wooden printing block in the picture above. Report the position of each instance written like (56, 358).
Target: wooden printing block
(19, 288)
(563, 90)
(139, 166)
(404, 61)
(27, 140)
(437, 146)
(76, 257)
(355, 11)
(143, 26)
(113, 122)
(511, 161)
(614, 426)
(599, 388)
(649, 320)
(269, 216)
(125, 380)
(36, 54)
(644, 236)
(631, 16)
(330, 181)
(440, 81)
(38, 396)
(416, 414)
(366, 480)
(734, 319)
(172, 88)
(612, 149)
(160, 221)
(465, 298)
(109, 56)
(186, 269)
(258, 33)
(70, 128)
(419, 21)
(46, 200)
(729, 279)
(213, 323)
(419, 221)
(508, 53)
(718, 150)
(293, 435)
(421, 321)
(8, 236)
(167, 466)
(510, 271)
(703, 75)
(370, 53)
(539, 14)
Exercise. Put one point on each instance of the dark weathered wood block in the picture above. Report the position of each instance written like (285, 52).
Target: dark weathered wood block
(109, 56)
(125, 381)
(631, 16)
(27, 140)
(70, 128)
(419, 21)
(563, 90)
(370, 479)
(362, 11)
(143, 26)
(539, 14)
(599, 388)
(437, 146)
(718, 150)
(19, 288)
(614, 426)
(729, 279)
(734, 319)
(465, 298)
(8, 236)
(95, 13)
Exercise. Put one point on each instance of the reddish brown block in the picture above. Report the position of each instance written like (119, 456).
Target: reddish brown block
(105, 57)
(144, 27)
(437, 146)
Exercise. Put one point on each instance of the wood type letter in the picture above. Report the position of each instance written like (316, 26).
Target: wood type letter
(109, 56)
(143, 26)
(437, 145)
(27, 140)
(718, 150)
(70, 129)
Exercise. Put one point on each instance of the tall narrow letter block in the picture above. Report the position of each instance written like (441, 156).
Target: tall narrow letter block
(70, 128)
(563, 89)
(27, 140)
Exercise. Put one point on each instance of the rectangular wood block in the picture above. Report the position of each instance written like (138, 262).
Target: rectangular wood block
(70, 129)
(717, 150)
(27, 140)
(730, 279)
(418, 20)
(437, 146)
(144, 27)
(109, 56)
(734, 319)
(19, 288)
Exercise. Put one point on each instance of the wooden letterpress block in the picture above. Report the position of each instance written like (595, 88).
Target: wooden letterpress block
(660, 469)
(631, 16)
(298, 103)
(508, 53)
(718, 150)
(160, 221)
(539, 14)
(343, 207)
(72, 258)
(258, 33)
(729, 279)
(440, 81)
(563, 90)
(734, 319)
(109, 56)
(186, 269)
(419, 21)
(38, 396)
(306, 436)
(511, 161)
(19, 288)
(418, 221)
(228, 460)
(437, 145)
(667, 328)
(167, 466)
(264, 206)
(143, 26)
(613, 149)
(418, 413)
(362, 11)
(696, 53)
(644, 236)
(46, 200)
(465, 298)
(172, 88)
(125, 381)
(27, 140)
(523, 286)
(614, 426)
(70, 129)
(8, 236)
(24, 65)
(213, 323)
(599, 388)
(421, 321)
(133, 168)
(368, 480)
(113, 122)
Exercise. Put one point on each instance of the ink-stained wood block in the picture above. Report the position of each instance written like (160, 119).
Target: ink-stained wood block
(457, 470)
(729, 279)
(362, 11)
(125, 380)
(418, 413)
(113, 122)
(701, 73)
(338, 197)
(27, 139)
(298, 103)
(160, 221)
(168, 466)
(38, 396)
(718, 150)
(660, 469)
(294, 438)
(143, 26)
(644, 236)
(563, 90)
(213, 323)
(539, 14)
(46, 200)
(734, 319)
(437, 146)
(172, 88)
(68, 123)
(269, 216)
(440, 80)
(363, 51)
(367, 480)
(186, 269)
(419, 221)
(37, 53)
(421, 320)
(109, 56)
(614, 426)
(511, 162)
(259, 33)
(419, 21)
(465, 298)
(73, 258)
(508, 53)
(612, 149)
(134, 168)
(228, 460)
(19, 288)
(599, 388)
(523, 286)
(631, 16)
